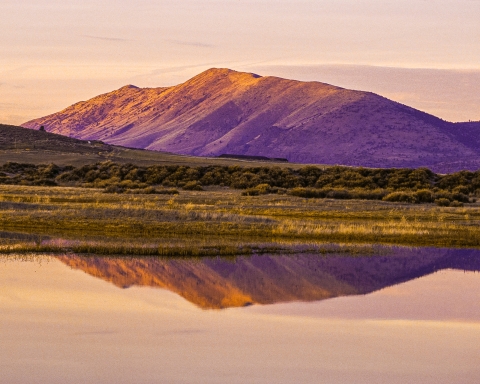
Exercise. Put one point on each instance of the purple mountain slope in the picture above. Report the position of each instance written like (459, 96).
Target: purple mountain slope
(222, 111)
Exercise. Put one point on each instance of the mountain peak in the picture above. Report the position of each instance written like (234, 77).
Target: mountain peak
(213, 72)
(127, 87)
(225, 111)
(216, 74)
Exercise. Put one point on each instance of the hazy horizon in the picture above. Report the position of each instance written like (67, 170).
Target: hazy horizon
(424, 54)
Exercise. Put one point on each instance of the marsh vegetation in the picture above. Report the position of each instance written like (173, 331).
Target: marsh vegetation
(220, 221)
(344, 183)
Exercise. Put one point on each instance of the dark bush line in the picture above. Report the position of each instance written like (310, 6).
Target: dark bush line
(376, 194)
(402, 185)
(441, 198)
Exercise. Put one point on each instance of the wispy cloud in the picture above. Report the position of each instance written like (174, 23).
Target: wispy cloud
(95, 333)
(116, 39)
(8, 85)
(181, 68)
(184, 332)
(176, 69)
(191, 43)
(9, 73)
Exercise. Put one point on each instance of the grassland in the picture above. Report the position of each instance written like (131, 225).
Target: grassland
(219, 221)
(60, 200)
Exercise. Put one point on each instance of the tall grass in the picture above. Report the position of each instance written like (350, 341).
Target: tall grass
(220, 222)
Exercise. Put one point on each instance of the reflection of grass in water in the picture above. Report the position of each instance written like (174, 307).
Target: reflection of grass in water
(219, 222)
(39, 258)
(179, 247)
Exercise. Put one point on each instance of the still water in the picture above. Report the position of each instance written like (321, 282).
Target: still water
(410, 316)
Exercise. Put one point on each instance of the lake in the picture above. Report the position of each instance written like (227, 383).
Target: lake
(404, 315)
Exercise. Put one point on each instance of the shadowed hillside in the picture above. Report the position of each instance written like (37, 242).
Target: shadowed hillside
(13, 137)
(222, 111)
(221, 283)
(30, 146)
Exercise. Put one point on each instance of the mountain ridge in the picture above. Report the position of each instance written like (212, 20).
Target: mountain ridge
(223, 111)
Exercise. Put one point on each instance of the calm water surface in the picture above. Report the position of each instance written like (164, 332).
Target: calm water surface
(409, 317)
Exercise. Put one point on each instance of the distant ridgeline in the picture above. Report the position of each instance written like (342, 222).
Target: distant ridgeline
(253, 158)
(401, 185)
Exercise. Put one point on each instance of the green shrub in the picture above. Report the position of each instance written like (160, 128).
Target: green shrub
(365, 194)
(441, 194)
(401, 197)
(44, 182)
(103, 183)
(129, 184)
(149, 190)
(424, 196)
(461, 189)
(307, 192)
(168, 184)
(403, 185)
(114, 188)
(167, 192)
(339, 194)
(357, 193)
(193, 186)
(442, 202)
(262, 189)
(460, 197)
(251, 192)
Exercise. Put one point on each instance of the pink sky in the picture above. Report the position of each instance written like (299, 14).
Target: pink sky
(422, 53)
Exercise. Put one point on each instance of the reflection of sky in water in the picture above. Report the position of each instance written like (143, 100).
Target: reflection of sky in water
(61, 325)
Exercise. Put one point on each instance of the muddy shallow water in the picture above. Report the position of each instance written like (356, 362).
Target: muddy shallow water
(410, 316)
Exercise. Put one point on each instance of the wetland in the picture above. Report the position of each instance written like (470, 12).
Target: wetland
(218, 286)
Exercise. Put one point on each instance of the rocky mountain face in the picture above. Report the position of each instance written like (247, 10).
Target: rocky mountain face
(221, 111)
(263, 279)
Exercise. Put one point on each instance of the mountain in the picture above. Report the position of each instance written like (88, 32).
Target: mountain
(220, 283)
(221, 111)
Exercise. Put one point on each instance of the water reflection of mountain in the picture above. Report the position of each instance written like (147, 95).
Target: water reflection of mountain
(221, 283)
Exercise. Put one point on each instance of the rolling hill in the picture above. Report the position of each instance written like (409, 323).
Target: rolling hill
(24, 145)
(221, 111)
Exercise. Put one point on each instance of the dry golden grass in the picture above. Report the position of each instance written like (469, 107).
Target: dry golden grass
(219, 221)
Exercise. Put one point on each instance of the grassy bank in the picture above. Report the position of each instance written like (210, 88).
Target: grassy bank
(218, 222)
